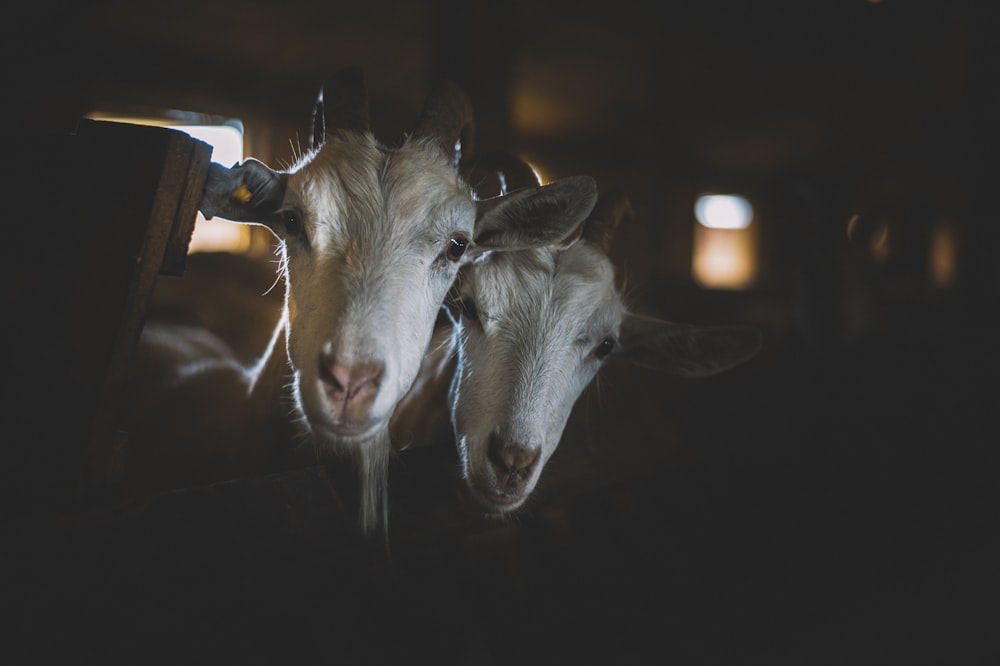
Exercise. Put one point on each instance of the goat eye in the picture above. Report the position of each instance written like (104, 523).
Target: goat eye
(469, 310)
(292, 221)
(456, 248)
(605, 347)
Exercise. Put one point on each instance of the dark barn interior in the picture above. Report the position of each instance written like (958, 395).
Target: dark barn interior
(832, 501)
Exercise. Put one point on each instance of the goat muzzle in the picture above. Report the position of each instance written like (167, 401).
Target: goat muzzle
(513, 463)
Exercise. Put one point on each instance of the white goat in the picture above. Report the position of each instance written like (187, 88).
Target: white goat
(533, 328)
(371, 238)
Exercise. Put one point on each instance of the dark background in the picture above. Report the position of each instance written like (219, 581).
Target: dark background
(831, 502)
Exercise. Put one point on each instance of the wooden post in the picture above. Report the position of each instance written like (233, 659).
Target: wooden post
(97, 215)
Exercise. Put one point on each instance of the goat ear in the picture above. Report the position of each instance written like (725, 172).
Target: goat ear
(248, 192)
(534, 216)
(342, 103)
(447, 117)
(684, 350)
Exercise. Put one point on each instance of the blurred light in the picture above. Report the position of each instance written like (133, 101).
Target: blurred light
(724, 258)
(943, 253)
(879, 244)
(538, 173)
(852, 225)
(541, 173)
(226, 140)
(544, 113)
(723, 211)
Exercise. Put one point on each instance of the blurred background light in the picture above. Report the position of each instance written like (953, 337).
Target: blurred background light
(723, 211)
(724, 255)
(943, 256)
(880, 245)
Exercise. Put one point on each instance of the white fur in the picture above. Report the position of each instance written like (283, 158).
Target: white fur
(522, 366)
(533, 342)
(363, 287)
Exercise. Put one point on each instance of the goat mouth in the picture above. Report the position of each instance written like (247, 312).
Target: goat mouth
(496, 502)
(351, 431)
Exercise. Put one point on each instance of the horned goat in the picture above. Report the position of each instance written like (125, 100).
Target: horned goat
(532, 329)
(370, 239)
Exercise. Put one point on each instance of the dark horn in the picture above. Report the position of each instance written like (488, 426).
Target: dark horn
(447, 116)
(342, 103)
(497, 173)
(318, 134)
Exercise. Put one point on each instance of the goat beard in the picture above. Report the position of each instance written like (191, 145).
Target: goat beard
(369, 463)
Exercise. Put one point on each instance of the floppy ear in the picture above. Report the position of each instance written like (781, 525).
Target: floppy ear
(685, 350)
(248, 192)
(533, 216)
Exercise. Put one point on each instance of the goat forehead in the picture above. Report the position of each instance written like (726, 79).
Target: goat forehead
(568, 286)
(354, 189)
(419, 180)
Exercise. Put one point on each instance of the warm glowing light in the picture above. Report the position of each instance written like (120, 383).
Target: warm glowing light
(879, 245)
(543, 113)
(723, 211)
(852, 225)
(724, 258)
(538, 173)
(541, 173)
(943, 254)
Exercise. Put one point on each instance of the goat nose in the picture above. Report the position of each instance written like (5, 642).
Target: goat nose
(512, 461)
(350, 381)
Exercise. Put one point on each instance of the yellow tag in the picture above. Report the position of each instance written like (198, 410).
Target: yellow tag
(241, 194)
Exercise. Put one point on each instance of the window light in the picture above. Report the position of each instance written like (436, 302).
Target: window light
(724, 255)
(226, 138)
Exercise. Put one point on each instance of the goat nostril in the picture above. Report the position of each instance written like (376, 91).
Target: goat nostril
(512, 457)
(351, 379)
(328, 373)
